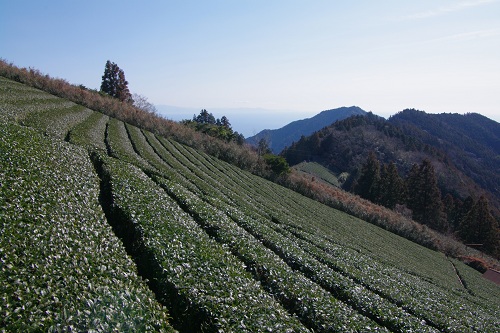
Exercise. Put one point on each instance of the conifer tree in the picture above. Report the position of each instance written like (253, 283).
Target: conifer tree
(368, 183)
(114, 83)
(424, 196)
(122, 91)
(225, 122)
(480, 227)
(462, 210)
(392, 188)
(204, 118)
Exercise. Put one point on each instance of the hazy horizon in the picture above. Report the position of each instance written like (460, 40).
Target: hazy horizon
(251, 121)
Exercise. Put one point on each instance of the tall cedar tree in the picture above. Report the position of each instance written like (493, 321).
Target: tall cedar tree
(424, 196)
(392, 189)
(367, 185)
(480, 227)
(114, 83)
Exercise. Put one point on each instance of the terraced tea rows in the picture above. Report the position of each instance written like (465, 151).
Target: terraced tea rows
(61, 266)
(227, 251)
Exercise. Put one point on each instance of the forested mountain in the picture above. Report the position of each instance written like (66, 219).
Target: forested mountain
(280, 138)
(471, 141)
(460, 153)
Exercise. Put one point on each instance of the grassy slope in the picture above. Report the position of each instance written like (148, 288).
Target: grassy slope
(215, 241)
(318, 171)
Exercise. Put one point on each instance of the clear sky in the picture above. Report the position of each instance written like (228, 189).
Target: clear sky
(303, 55)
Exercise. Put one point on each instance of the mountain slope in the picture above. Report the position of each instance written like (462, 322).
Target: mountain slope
(222, 249)
(462, 177)
(472, 142)
(280, 138)
(464, 154)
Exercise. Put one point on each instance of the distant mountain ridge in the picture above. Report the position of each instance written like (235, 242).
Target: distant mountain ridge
(464, 149)
(471, 141)
(280, 138)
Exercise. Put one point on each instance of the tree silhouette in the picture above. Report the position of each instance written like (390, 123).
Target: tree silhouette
(225, 122)
(480, 227)
(424, 196)
(114, 83)
(392, 188)
(204, 118)
(367, 185)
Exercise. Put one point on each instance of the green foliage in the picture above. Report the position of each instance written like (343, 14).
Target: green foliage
(282, 223)
(91, 132)
(319, 172)
(368, 184)
(424, 196)
(208, 281)
(278, 164)
(392, 189)
(206, 123)
(479, 226)
(62, 268)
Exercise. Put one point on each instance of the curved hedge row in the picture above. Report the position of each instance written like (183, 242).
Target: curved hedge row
(61, 266)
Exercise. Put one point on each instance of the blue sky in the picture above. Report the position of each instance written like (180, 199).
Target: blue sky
(294, 55)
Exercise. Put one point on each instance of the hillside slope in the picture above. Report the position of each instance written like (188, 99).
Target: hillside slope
(280, 138)
(461, 170)
(472, 142)
(222, 249)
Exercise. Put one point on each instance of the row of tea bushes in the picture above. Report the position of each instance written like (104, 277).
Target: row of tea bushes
(61, 266)
(119, 145)
(444, 308)
(192, 222)
(433, 296)
(204, 285)
(19, 100)
(57, 121)
(90, 133)
(365, 283)
(379, 309)
(315, 307)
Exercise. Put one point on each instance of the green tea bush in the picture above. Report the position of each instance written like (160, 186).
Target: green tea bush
(119, 145)
(91, 132)
(221, 248)
(399, 299)
(56, 121)
(204, 285)
(315, 307)
(61, 266)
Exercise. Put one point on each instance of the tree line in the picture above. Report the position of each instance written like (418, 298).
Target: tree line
(205, 122)
(419, 196)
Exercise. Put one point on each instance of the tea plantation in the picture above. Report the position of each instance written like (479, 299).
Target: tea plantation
(105, 227)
